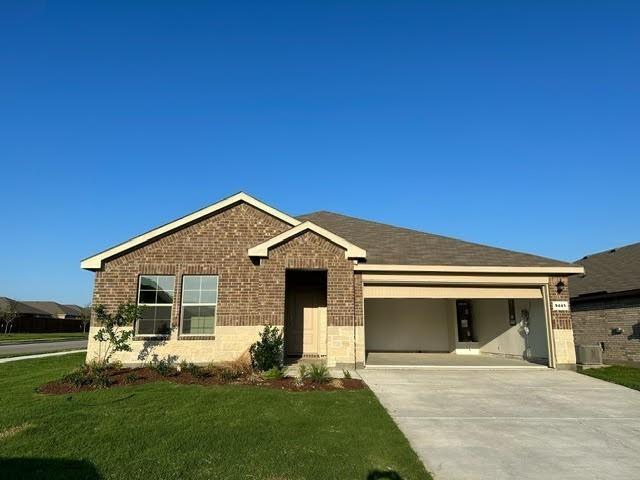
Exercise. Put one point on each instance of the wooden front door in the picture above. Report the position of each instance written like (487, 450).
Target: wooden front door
(306, 319)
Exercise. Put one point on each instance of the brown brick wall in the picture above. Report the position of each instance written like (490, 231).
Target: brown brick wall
(559, 320)
(310, 251)
(249, 292)
(593, 321)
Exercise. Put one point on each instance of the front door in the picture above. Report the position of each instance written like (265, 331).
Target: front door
(306, 314)
(465, 321)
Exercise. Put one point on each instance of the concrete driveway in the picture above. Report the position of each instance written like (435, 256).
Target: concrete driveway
(518, 424)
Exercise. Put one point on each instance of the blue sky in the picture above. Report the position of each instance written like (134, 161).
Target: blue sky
(515, 124)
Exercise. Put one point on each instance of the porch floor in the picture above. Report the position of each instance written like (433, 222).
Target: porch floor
(444, 361)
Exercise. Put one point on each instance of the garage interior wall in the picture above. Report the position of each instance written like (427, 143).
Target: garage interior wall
(429, 325)
(409, 325)
(496, 336)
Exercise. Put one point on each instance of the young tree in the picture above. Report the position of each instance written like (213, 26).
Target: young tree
(115, 329)
(85, 317)
(8, 315)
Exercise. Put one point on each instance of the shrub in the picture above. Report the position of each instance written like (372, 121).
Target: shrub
(346, 374)
(267, 352)
(131, 377)
(274, 373)
(163, 367)
(229, 371)
(303, 372)
(194, 370)
(94, 374)
(318, 374)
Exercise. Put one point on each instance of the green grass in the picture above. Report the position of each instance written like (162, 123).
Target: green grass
(164, 430)
(23, 337)
(620, 374)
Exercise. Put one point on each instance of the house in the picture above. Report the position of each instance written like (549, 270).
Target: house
(42, 316)
(606, 303)
(346, 290)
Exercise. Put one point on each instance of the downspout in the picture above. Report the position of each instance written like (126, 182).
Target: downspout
(550, 338)
(355, 348)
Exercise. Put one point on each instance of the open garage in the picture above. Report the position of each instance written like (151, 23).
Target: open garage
(455, 325)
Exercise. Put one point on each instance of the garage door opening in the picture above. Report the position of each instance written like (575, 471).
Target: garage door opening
(456, 332)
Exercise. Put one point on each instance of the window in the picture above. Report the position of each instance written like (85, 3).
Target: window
(199, 302)
(155, 296)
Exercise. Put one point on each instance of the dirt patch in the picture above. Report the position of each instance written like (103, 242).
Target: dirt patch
(138, 376)
(11, 431)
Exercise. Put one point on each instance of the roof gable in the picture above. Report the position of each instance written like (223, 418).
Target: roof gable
(95, 262)
(351, 250)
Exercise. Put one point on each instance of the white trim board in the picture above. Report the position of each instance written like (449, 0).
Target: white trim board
(451, 292)
(369, 267)
(95, 262)
(351, 250)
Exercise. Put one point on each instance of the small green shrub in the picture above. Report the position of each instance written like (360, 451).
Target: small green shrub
(92, 374)
(229, 371)
(163, 367)
(194, 370)
(303, 372)
(267, 353)
(318, 374)
(346, 374)
(131, 377)
(274, 373)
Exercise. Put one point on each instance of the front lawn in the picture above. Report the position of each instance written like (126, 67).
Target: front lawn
(54, 337)
(620, 374)
(168, 430)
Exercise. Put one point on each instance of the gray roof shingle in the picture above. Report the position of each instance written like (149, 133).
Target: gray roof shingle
(612, 271)
(387, 244)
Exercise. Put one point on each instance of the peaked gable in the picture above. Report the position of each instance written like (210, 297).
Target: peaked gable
(351, 250)
(95, 262)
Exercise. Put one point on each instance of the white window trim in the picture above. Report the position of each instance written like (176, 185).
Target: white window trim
(137, 326)
(182, 305)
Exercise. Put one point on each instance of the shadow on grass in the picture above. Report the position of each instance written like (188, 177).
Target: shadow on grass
(383, 475)
(47, 468)
(83, 403)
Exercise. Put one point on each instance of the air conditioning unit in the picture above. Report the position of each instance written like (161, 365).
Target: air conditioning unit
(589, 355)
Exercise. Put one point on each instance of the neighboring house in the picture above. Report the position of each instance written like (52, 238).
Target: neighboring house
(606, 303)
(42, 317)
(341, 287)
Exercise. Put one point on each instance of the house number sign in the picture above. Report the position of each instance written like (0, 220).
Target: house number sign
(560, 306)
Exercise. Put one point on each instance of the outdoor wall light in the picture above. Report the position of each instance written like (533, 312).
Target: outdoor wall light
(617, 331)
(560, 286)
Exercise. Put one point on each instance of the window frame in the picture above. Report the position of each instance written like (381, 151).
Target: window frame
(155, 305)
(183, 304)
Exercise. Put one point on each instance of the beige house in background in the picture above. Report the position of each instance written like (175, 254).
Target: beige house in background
(348, 291)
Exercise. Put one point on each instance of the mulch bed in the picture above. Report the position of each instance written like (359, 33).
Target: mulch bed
(138, 376)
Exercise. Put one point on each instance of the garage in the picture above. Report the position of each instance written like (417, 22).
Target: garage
(455, 324)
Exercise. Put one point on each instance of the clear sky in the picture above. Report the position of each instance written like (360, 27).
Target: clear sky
(515, 124)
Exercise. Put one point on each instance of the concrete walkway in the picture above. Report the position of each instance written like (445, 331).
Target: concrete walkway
(514, 424)
(42, 347)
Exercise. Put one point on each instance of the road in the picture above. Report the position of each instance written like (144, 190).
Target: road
(41, 347)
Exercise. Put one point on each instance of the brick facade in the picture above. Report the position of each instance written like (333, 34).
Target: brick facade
(251, 293)
(594, 320)
(561, 324)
